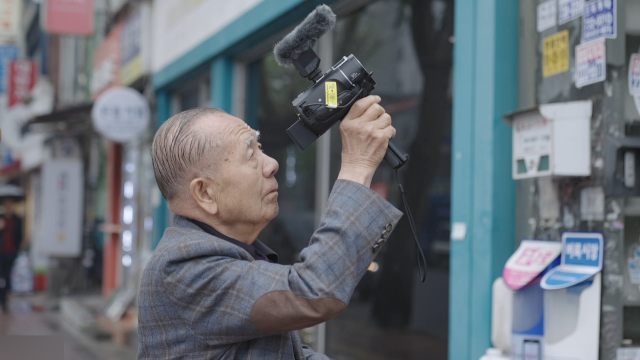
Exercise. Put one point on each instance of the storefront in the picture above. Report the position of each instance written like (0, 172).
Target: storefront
(391, 314)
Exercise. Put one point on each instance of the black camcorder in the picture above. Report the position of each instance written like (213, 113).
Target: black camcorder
(330, 98)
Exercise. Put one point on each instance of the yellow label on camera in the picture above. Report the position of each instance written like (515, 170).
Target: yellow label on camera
(331, 94)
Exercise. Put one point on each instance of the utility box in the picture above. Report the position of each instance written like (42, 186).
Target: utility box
(552, 139)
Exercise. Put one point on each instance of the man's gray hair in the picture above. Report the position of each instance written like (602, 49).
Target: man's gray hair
(178, 147)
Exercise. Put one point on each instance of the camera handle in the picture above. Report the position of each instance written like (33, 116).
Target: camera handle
(396, 157)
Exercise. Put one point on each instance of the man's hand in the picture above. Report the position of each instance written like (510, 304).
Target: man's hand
(365, 131)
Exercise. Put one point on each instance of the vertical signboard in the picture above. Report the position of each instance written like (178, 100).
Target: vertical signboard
(22, 79)
(62, 216)
(106, 63)
(8, 53)
(9, 18)
(135, 46)
(71, 17)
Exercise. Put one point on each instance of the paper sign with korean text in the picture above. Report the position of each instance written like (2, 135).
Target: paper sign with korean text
(531, 259)
(531, 142)
(70, 17)
(555, 54)
(591, 63)
(599, 20)
(582, 257)
(10, 11)
(8, 53)
(634, 74)
(569, 10)
(22, 79)
(546, 15)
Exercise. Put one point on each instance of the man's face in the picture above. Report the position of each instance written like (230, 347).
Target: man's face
(246, 187)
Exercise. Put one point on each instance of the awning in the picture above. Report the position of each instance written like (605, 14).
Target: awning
(71, 115)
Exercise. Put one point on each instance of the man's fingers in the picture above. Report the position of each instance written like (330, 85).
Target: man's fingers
(361, 106)
(389, 132)
(382, 121)
(373, 112)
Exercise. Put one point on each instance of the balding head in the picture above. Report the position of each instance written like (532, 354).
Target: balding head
(178, 147)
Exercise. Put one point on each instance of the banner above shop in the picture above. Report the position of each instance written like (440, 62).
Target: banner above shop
(529, 261)
(106, 63)
(68, 17)
(121, 114)
(582, 258)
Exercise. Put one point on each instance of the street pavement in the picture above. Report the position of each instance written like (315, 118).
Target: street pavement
(22, 319)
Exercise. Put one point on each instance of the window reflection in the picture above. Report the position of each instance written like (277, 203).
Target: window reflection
(392, 315)
(291, 230)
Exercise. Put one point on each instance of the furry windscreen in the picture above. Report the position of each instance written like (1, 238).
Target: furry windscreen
(305, 35)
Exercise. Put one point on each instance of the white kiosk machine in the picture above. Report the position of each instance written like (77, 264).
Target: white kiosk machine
(572, 299)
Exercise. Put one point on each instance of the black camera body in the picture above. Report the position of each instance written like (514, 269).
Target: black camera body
(330, 98)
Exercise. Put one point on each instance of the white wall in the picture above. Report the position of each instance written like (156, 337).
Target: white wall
(181, 25)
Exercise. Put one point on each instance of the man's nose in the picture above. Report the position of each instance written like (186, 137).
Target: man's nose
(270, 167)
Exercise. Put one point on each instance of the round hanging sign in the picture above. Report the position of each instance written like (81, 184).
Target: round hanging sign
(121, 114)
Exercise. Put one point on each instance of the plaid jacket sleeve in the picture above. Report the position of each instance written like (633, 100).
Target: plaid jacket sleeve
(227, 300)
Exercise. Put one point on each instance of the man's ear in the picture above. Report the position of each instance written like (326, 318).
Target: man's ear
(203, 191)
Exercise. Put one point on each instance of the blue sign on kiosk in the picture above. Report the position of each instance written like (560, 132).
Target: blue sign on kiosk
(582, 256)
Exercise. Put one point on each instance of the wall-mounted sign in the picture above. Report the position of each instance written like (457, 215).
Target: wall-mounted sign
(546, 15)
(62, 191)
(634, 74)
(599, 20)
(8, 53)
(71, 17)
(121, 114)
(555, 54)
(529, 261)
(552, 139)
(10, 11)
(135, 46)
(22, 79)
(591, 63)
(582, 258)
(106, 63)
(569, 10)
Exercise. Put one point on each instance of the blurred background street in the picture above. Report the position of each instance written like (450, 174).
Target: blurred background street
(521, 119)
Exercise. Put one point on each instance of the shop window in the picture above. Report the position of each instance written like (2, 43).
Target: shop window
(392, 315)
(291, 230)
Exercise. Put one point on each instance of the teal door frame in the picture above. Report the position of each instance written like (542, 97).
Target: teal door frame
(482, 190)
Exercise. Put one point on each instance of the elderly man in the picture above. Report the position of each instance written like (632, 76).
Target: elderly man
(211, 290)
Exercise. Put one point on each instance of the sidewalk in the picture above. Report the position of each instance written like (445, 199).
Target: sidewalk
(23, 320)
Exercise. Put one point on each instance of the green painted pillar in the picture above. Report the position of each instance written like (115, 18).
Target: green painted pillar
(161, 212)
(222, 84)
(482, 191)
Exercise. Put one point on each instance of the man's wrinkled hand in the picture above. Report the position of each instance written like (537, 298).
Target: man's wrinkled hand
(365, 131)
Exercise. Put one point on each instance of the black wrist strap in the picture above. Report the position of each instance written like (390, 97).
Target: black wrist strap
(420, 259)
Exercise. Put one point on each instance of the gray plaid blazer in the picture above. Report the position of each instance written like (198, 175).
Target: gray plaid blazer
(204, 298)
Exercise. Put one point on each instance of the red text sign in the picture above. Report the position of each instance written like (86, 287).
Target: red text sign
(22, 79)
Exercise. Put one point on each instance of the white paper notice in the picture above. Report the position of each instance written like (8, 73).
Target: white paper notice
(546, 15)
(591, 63)
(634, 74)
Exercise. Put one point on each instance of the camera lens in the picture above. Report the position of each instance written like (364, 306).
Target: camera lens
(353, 70)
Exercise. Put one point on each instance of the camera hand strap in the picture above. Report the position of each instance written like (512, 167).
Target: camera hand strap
(420, 259)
